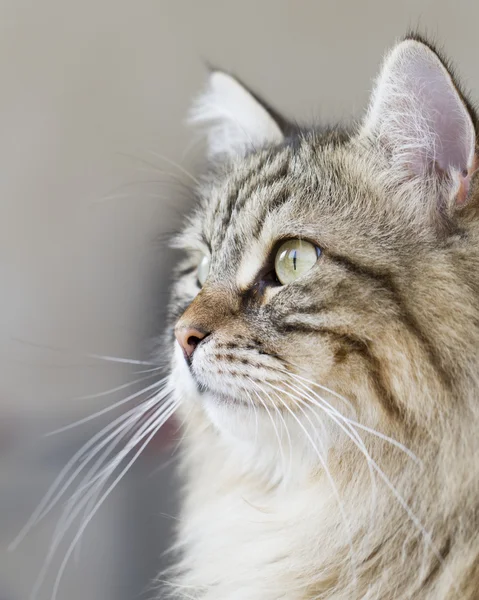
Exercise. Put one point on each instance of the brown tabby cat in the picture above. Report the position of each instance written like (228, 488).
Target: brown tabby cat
(326, 362)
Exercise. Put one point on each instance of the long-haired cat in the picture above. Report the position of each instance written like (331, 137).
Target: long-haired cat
(326, 356)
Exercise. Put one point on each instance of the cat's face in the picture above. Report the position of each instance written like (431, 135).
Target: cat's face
(320, 268)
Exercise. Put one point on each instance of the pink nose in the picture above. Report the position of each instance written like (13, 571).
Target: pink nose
(189, 338)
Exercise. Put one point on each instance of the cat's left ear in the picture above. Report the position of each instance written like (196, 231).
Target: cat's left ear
(234, 119)
(421, 121)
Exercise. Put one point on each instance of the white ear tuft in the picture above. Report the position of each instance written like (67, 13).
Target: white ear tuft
(234, 120)
(419, 118)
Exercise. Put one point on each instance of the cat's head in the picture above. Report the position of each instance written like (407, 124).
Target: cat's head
(330, 275)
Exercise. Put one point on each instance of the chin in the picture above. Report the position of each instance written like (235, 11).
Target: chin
(264, 442)
(231, 417)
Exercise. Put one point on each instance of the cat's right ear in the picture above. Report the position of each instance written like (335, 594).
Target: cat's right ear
(233, 118)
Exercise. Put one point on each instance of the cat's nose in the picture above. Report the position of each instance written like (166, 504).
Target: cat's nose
(189, 338)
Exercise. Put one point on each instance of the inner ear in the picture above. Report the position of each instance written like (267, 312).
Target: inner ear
(235, 119)
(419, 118)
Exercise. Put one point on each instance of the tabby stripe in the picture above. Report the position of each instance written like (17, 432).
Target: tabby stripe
(385, 279)
(243, 183)
(352, 344)
(274, 177)
(244, 192)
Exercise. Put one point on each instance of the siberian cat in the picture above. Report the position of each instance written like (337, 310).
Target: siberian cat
(326, 356)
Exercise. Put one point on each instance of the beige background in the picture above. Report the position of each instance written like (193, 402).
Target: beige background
(92, 93)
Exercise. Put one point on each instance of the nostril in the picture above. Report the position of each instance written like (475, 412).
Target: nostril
(189, 338)
(193, 341)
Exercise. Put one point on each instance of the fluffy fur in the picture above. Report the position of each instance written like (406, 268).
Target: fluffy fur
(330, 425)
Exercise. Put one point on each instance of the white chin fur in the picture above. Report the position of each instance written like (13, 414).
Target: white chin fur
(264, 440)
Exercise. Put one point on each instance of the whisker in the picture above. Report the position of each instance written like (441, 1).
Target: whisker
(389, 440)
(316, 384)
(114, 359)
(93, 475)
(183, 427)
(70, 515)
(115, 389)
(155, 169)
(326, 470)
(255, 410)
(353, 435)
(96, 472)
(378, 434)
(46, 504)
(411, 515)
(290, 443)
(117, 359)
(155, 428)
(180, 168)
(40, 512)
(177, 587)
(290, 466)
(274, 426)
(152, 370)
(104, 410)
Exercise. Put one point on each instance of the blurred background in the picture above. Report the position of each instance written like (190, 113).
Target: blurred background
(94, 157)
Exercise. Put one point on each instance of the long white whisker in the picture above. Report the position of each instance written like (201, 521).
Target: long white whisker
(387, 439)
(378, 434)
(93, 473)
(116, 359)
(290, 466)
(156, 169)
(326, 470)
(40, 512)
(290, 443)
(110, 441)
(70, 515)
(255, 410)
(274, 425)
(155, 427)
(414, 519)
(319, 385)
(350, 433)
(152, 370)
(104, 410)
(334, 414)
(115, 389)
(96, 473)
(350, 421)
(45, 505)
(180, 168)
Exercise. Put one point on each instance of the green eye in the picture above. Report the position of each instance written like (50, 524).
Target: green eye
(293, 259)
(203, 269)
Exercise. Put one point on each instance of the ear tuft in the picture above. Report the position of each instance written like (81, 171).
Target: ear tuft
(418, 117)
(233, 118)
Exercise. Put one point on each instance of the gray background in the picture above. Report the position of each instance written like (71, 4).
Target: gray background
(93, 94)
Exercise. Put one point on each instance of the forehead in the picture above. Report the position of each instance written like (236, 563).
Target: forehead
(290, 181)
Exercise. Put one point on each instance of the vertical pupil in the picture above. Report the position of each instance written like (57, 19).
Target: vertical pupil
(294, 260)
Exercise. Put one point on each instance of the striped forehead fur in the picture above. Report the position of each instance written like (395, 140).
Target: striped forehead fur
(330, 446)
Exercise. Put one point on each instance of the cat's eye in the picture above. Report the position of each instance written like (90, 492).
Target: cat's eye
(203, 269)
(293, 259)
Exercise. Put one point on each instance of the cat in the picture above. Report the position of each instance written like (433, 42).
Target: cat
(326, 316)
